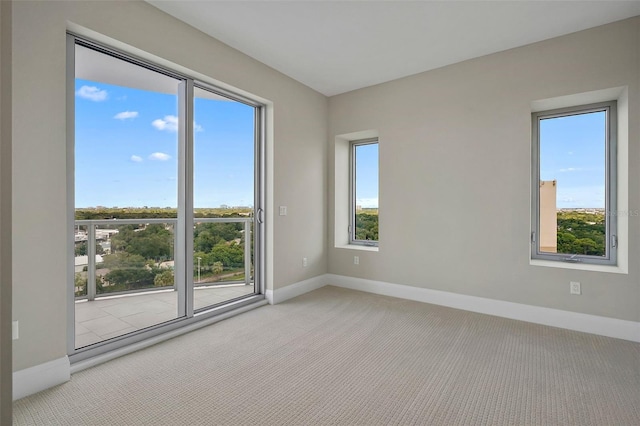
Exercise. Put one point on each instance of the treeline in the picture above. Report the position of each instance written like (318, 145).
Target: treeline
(367, 226)
(106, 213)
(581, 233)
(578, 232)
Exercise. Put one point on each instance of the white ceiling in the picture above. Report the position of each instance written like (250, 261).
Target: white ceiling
(339, 46)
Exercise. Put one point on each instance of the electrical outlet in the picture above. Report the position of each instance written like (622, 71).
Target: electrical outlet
(14, 330)
(305, 263)
(356, 260)
(283, 210)
(574, 287)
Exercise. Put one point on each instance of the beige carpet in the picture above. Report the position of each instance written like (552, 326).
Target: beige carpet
(336, 357)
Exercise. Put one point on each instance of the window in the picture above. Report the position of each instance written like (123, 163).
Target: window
(574, 184)
(166, 199)
(363, 226)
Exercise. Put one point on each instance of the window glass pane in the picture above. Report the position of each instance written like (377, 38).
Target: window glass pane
(126, 127)
(126, 134)
(366, 191)
(223, 198)
(572, 209)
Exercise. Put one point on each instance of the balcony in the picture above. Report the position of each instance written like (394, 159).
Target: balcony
(136, 279)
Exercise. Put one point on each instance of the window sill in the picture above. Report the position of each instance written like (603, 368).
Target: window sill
(579, 266)
(357, 247)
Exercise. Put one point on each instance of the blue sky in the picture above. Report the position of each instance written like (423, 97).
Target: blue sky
(126, 149)
(572, 152)
(367, 175)
(126, 152)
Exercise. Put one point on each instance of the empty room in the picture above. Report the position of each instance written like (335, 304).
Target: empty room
(320, 212)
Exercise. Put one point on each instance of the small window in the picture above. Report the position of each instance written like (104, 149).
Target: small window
(574, 184)
(363, 226)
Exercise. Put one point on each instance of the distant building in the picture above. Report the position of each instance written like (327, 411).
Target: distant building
(548, 238)
(82, 262)
(105, 234)
(169, 264)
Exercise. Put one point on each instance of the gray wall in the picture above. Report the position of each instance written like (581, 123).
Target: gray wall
(298, 138)
(5, 214)
(455, 172)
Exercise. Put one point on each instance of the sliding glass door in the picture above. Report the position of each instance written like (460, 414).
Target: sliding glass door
(166, 198)
(224, 157)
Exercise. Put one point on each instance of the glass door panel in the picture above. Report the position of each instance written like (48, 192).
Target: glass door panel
(224, 176)
(126, 197)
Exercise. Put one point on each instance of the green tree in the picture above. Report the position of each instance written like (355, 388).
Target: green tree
(123, 260)
(218, 268)
(229, 254)
(81, 249)
(163, 279)
(366, 226)
(80, 283)
(565, 242)
(153, 241)
(581, 232)
(584, 246)
(120, 241)
(205, 240)
(127, 279)
(207, 235)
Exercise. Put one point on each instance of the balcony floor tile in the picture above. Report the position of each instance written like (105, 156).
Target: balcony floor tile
(115, 316)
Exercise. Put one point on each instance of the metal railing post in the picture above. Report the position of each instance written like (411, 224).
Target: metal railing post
(247, 252)
(91, 264)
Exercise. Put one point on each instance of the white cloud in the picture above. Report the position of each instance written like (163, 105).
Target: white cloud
(136, 158)
(92, 93)
(367, 203)
(170, 124)
(160, 156)
(571, 169)
(125, 115)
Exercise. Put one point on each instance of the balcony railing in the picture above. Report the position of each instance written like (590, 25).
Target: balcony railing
(110, 227)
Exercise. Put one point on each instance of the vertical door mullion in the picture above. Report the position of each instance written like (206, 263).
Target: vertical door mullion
(184, 226)
(188, 202)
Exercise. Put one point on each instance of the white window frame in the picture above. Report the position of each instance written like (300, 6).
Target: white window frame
(611, 185)
(353, 145)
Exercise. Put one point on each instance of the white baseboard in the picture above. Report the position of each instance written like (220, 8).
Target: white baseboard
(281, 294)
(603, 326)
(40, 377)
